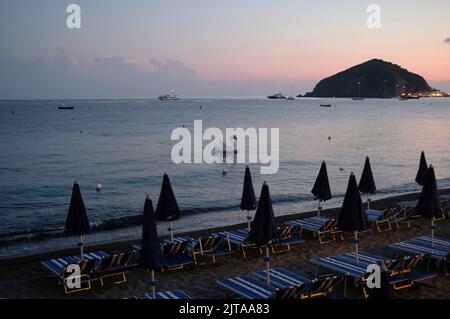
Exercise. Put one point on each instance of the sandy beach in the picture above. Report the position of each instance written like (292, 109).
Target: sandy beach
(25, 278)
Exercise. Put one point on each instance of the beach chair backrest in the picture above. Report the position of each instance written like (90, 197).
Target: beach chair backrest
(286, 293)
(285, 232)
(323, 285)
(209, 243)
(411, 262)
(329, 225)
(172, 248)
(86, 266)
(389, 213)
(116, 260)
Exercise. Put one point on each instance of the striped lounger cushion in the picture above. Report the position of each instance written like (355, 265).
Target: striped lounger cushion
(248, 287)
(173, 294)
(283, 278)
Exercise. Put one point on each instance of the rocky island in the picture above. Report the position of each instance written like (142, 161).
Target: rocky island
(374, 79)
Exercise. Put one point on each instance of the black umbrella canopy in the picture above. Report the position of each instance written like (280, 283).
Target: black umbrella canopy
(351, 216)
(150, 255)
(248, 200)
(77, 222)
(167, 208)
(367, 183)
(321, 189)
(422, 172)
(263, 228)
(428, 204)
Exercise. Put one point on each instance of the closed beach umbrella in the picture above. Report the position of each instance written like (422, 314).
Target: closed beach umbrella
(428, 204)
(352, 217)
(248, 200)
(150, 255)
(367, 183)
(264, 229)
(77, 222)
(167, 208)
(321, 189)
(422, 172)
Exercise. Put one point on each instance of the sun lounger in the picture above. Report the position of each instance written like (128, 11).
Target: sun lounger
(173, 294)
(440, 251)
(116, 265)
(176, 255)
(212, 246)
(282, 278)
(239, 239)
(381, 219)
(322, 227)
(60, 267)
(87, 265)
(252, 288)
(306, 288)
(287, 235)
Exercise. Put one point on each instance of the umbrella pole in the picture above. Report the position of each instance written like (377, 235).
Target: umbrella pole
(432, 232)
(171, 231)
(267, 260)
(81, 247)
(318, 209)
(368, 203)
(356, 247)
(248, 220)
(153, 285)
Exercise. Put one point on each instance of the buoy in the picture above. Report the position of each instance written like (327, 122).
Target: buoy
(329, 138)
(98, 188)
(224, 172)
(341, 169)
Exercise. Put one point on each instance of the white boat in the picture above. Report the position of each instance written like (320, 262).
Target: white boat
(169, 97)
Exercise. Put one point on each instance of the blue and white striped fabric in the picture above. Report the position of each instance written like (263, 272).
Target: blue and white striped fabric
(346, 263)
(312, 224)
(437, 241)
(282, 278)
(236, 237)
(374, 215)
(422, 245)
(173, 294)
(57, 265)
(408, 203)
(248, 287)
(180, 239)
(91, 256)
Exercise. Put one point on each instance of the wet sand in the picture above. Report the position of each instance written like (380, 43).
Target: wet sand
(25, 278)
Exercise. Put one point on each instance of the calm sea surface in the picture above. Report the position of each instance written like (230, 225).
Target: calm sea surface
(126, 146)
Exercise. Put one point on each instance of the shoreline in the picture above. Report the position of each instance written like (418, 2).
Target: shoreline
(115, 246)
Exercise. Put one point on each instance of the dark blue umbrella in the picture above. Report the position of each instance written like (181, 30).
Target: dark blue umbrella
(352, 217)
(321, 189)
(428, 204)
(422, 172)
(167, 208)
(150, 255)
(77, 222)
(264, 229)
(248, 200)
(367, 183)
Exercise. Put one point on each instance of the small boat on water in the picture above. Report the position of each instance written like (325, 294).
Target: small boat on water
(290, 98)
(277, 96)
(358, 98)
(169, 97)
(408, 97)
(325, 105)
(63, 107)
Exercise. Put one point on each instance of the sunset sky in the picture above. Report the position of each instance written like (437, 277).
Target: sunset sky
(138, 48)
